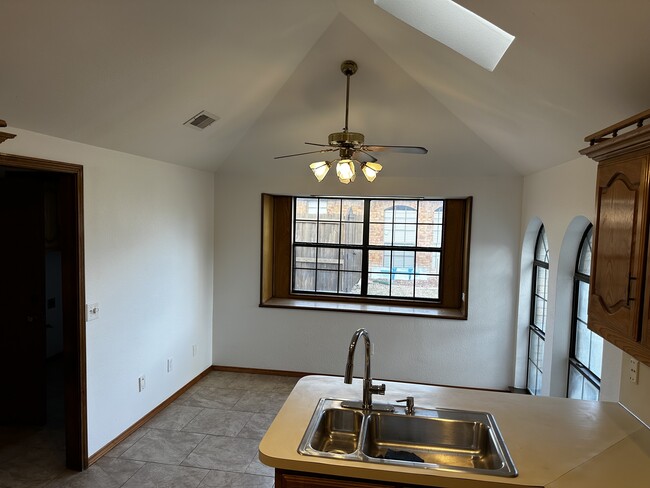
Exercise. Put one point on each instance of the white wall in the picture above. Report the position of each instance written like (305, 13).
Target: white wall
(477, 352)
(149, 245)
(563, 199)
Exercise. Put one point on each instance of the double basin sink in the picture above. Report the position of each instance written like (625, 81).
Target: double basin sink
(453, 440)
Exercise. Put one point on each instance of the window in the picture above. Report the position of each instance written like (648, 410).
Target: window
(586, 352)
(538, 310)
(385, 255)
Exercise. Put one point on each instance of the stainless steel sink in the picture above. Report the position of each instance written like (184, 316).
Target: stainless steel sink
(456, 440)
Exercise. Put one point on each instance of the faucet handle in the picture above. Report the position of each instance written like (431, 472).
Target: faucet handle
(378, 389)
(410, 405)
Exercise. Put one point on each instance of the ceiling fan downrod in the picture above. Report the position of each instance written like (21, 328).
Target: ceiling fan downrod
(346, 138)
(348, 68)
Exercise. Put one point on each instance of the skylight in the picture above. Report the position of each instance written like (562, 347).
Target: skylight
(455, 27)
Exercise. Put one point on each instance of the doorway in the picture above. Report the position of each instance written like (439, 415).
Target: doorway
(42, 300)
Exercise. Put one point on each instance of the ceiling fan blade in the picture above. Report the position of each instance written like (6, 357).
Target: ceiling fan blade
(400, 149)
(310, 152)
(364, 157)
(320, 145)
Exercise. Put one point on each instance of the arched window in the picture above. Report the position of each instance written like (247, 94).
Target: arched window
(538, 310)
(586, 352)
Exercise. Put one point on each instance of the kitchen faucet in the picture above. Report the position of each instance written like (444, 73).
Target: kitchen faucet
(368, 388)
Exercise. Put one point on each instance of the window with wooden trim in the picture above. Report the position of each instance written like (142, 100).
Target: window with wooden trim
(538, 311)
(586, 351)
(384, 255)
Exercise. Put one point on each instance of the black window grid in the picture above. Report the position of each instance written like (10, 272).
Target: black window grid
(365, 248)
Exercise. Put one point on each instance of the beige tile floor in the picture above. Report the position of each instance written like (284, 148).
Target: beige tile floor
(208, 437)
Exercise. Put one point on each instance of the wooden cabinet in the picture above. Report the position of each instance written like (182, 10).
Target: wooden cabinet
(292, 479)
(619, 302)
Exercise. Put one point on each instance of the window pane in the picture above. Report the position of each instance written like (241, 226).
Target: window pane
(350, 283)
(307, 208)
(596, 355)
(590, 392)
(539, 318)
(401, 285)
(430, 211)
(536, 349)
(330, 209)
(378, 208)
(427, 286)
(403, 234)
(304, 280)
(378, 235)
(328, 232)
(534, 379)
(352, 233)
(378, 284)
(305, 232)
(576, 381)
(352, 210)
(304, 257)
(327, 281)
(584, 263)
(583, 343)
(541, 282)
(427, 262)
(583, 301)
(351, 259)
(328, 258)
(426, 235)
(541, 247)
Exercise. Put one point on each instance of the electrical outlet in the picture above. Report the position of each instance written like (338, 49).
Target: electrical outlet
(170, 365)
(141, 383)
(92, 311)
(633, 371)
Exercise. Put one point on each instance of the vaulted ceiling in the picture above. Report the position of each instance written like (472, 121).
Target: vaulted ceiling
(125, 75)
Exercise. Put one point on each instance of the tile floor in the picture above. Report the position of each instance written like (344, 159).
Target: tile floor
(208, 437)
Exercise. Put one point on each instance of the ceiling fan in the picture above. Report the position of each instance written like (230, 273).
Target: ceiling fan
(351, 146)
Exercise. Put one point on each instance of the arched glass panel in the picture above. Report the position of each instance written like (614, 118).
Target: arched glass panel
(538, 313)
(586, 352)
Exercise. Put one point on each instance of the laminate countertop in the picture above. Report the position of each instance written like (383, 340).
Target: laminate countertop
(554, 442)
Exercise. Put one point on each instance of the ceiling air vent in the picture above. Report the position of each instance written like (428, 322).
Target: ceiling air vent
(201, 120)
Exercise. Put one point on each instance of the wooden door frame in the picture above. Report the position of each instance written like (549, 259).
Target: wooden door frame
(74, 331)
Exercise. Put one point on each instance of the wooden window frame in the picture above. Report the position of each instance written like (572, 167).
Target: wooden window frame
(275, 282)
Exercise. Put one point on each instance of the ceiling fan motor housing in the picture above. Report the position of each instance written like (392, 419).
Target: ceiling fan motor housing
(345, 138)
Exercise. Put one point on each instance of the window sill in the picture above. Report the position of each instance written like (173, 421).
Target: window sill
(341, 306)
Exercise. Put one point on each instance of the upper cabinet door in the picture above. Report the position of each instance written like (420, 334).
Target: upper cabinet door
(619, 248)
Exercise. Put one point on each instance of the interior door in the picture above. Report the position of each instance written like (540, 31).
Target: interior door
(22, 298)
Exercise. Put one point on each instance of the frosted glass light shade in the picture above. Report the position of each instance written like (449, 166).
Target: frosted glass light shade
(454, 26)
(370, 170)
(345, 171)
(320, 169)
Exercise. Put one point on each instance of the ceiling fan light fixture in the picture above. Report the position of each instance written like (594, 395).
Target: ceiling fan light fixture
(370, 170)
(320, 169)
(345, 170)
(350, 145)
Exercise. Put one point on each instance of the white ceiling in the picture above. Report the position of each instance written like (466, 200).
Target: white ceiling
(125, 75)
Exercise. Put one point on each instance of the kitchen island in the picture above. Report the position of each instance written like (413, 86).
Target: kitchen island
(554, 442)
